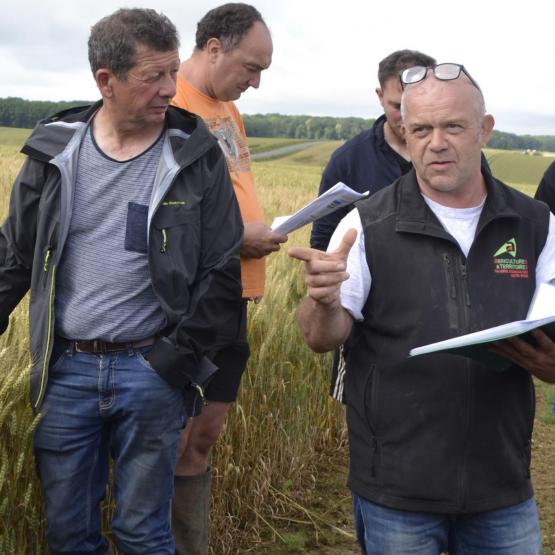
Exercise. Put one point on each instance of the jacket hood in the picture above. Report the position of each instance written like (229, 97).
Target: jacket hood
(52, 135)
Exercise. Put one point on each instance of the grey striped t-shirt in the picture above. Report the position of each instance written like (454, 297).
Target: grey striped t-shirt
(103, 287)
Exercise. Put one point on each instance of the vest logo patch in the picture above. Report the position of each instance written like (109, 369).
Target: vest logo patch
(506, 262)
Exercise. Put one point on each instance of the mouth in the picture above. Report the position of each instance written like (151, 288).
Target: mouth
(440, 164)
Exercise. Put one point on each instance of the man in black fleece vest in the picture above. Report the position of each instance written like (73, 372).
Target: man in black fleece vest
(440, 445)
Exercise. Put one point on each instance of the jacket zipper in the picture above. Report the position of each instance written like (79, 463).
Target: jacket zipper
(46, 355)
(164, 247)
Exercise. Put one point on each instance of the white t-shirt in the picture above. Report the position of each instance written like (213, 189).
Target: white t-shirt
(461, 223)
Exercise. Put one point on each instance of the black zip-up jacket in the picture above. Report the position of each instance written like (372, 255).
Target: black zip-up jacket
(441, 433)
(194, 235)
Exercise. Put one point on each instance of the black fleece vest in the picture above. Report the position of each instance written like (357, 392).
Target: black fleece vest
(440, 432)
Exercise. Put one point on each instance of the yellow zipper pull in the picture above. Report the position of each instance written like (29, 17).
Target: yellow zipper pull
(164, 246)
(200, 392)
(47, 259)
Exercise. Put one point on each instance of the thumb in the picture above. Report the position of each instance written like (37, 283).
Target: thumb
(347, 242)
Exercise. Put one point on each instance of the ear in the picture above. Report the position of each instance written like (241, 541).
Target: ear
(104, 78)
(213, 48)
(379, 92)
(487, 127)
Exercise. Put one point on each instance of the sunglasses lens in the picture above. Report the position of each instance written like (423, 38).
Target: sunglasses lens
(447, 71)
(413, 74)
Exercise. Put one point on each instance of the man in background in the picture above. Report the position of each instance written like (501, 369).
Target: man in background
(233, 47)
(114, 226)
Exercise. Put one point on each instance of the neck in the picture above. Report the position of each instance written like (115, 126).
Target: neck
(396, 143)
(122, 140)
(468, 197)
(194, 70)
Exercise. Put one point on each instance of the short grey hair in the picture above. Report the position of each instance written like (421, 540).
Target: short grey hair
(114, 40)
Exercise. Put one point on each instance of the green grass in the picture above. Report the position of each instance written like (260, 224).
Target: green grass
(516, 168)
(13, 136)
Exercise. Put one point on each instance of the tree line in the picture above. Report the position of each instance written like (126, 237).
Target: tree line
(17, 112)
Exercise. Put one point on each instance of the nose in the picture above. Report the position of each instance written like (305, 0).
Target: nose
(167, 87)
(438, 140)
(254, 82)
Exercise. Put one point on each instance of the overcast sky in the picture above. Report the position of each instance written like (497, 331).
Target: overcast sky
(325, 52)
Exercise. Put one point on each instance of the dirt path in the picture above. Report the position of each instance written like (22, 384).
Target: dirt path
(279, 152)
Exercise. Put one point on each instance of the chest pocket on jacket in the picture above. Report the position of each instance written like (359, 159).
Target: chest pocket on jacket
(135, 228)
(176, 241)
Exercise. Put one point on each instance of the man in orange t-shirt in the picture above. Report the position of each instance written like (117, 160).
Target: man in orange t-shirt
(233, 47)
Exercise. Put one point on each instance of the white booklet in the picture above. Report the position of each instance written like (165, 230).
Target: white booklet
(338, 196)
(475, 345)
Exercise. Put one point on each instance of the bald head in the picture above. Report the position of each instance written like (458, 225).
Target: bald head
(475, 96)
(445, 128)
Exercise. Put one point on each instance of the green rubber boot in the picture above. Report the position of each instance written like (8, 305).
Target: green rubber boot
(190, 507)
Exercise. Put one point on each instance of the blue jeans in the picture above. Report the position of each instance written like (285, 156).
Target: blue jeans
(96, 406)
(510, 531)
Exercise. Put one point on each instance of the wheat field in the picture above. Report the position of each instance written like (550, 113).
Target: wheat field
(277, 433)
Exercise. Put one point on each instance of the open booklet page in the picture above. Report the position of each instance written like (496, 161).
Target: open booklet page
(475, 345)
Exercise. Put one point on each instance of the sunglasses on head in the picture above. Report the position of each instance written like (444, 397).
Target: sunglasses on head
(443, 72)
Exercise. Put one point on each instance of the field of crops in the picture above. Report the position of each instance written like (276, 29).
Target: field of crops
(278, 433)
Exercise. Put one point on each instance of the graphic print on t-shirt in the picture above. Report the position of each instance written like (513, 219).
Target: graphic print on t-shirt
(232, 143)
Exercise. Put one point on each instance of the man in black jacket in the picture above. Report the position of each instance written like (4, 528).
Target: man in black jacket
(115, 227)
(439, 445)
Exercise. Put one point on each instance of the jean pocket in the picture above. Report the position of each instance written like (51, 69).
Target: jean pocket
(136, 228)
(141, 357)
(58, 355)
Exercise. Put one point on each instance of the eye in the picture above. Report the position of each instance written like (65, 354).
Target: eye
(420, 131)
(454, 128)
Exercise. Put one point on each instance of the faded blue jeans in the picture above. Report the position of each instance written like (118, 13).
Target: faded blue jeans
(97, 406)
(510, 531)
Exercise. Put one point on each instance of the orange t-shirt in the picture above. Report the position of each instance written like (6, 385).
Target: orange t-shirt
(224, 121)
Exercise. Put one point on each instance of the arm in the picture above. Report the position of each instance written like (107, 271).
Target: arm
(17, 238)
(324, 322)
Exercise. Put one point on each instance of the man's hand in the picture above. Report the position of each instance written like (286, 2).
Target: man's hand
(324, 322)
(259, 240)
(325, 271)
(538, 359)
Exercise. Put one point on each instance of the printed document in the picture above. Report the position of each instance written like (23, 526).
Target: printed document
(338, 196)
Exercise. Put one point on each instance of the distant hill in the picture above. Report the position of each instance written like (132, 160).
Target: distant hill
(17, 112)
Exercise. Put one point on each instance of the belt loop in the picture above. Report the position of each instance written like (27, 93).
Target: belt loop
(130, 350)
